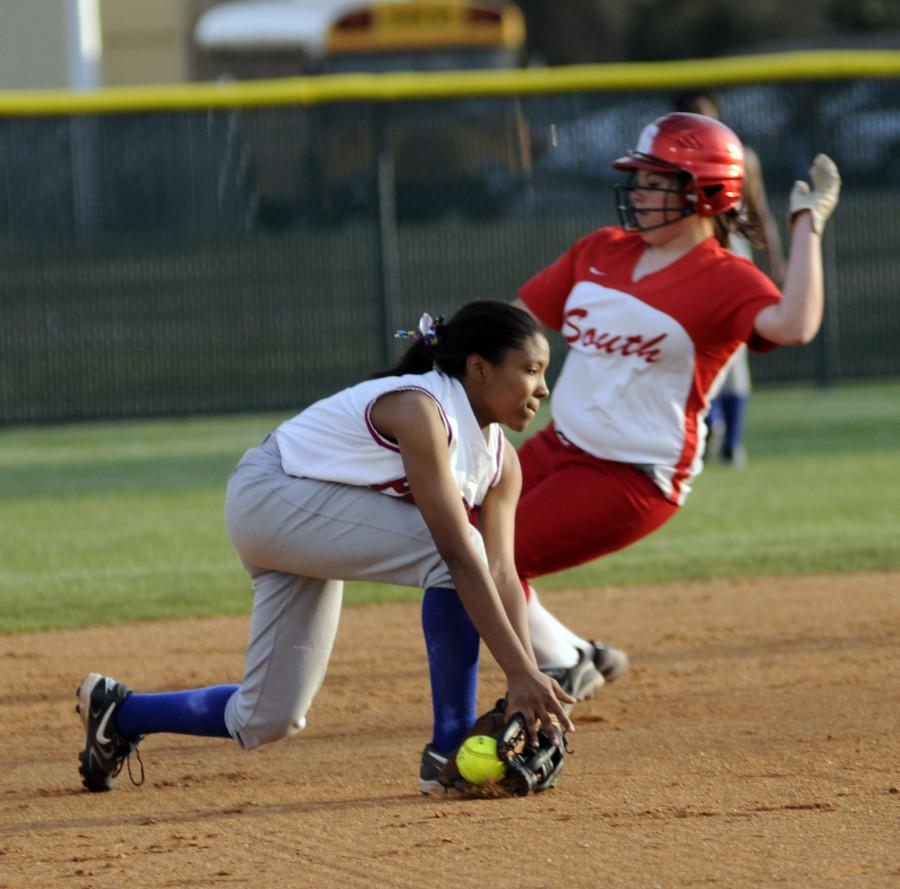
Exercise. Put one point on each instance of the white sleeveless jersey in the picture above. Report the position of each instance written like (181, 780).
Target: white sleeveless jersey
(335, 439)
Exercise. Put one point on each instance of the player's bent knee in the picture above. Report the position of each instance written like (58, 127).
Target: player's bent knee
(438, 574)
(252, 723)
(256, 735)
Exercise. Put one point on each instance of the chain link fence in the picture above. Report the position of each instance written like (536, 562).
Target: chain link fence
(251, 259)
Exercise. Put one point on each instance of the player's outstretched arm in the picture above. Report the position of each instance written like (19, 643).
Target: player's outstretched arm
(797, 318)
(497, 523)
(412, 420)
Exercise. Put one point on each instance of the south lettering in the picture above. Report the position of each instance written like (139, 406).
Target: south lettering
(636, 344)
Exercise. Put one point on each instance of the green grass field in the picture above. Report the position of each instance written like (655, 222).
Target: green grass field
(115, 522)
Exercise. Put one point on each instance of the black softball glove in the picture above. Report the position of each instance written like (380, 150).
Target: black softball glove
(528, 769)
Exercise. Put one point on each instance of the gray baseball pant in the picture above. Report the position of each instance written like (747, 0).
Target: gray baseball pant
(299, 539)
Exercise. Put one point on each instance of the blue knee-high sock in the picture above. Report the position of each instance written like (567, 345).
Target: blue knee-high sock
(734, 409)
(452, 643)
(199, 711)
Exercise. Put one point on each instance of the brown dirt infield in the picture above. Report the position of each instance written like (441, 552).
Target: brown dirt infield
(756, 742)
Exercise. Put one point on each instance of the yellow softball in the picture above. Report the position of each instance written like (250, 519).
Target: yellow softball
(478, 762)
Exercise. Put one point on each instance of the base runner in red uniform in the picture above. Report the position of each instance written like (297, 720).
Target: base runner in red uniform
(651, 312)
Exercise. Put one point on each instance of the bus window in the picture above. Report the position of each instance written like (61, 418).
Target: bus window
(468, 152)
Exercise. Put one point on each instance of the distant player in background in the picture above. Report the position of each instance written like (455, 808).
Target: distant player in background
(728, 408)
(374, 483)
(652, 312)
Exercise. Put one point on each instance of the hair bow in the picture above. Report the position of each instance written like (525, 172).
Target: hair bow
(427, 330)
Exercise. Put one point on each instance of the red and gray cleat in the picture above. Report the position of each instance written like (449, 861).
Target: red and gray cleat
(580, 681)
(611, 662)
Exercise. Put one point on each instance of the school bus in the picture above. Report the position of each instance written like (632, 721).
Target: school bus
(321, 161)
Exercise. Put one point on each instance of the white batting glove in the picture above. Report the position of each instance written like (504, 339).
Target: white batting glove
(823, 198)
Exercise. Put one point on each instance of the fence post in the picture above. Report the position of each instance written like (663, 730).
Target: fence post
(85, 176)
(386, 248)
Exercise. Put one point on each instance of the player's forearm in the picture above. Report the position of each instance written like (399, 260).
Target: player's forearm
(797, 318)
(482, 602)
(803, 296)
(514, 603)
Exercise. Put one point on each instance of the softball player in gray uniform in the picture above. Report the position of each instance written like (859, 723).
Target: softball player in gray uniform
(374, 483)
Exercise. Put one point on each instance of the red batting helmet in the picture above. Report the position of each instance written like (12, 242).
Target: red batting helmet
(707, 152)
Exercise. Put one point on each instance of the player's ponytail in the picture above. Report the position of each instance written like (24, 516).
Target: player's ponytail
(733, 223)
(487, 328)
(417, 359)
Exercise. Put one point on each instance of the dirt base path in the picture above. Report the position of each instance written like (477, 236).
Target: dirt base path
(756, 742)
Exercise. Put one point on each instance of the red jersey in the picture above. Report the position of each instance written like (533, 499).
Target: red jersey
(644, 354)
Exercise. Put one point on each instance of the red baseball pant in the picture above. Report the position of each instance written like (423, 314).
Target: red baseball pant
(575, 507)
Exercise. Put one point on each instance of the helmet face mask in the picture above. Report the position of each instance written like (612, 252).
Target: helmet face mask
(630, 216)
(703, 151)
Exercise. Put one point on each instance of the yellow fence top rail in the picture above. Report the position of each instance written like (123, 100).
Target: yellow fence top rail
(816, 65)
